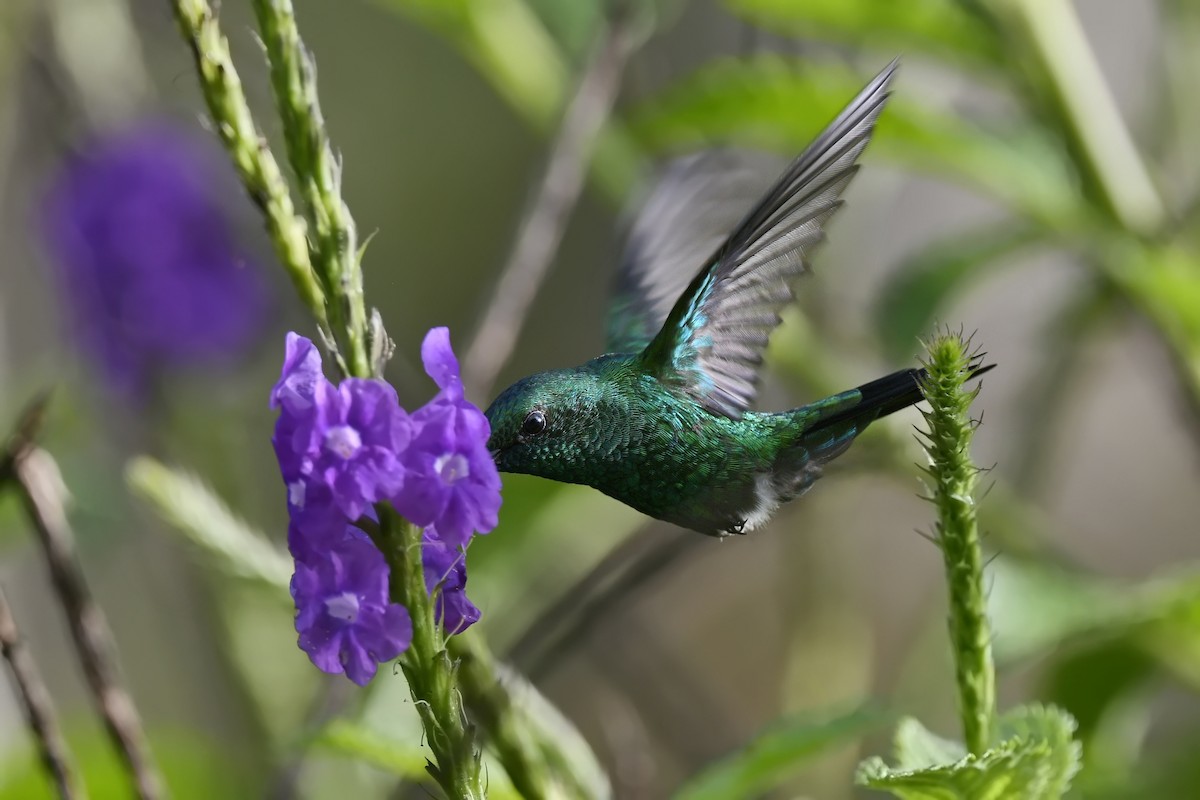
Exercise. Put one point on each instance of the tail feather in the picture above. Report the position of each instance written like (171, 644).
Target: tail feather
(884, 396)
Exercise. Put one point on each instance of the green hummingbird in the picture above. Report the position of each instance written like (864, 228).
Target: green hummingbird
(662, 422)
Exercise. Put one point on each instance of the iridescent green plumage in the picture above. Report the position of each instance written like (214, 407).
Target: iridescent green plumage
(662, 423)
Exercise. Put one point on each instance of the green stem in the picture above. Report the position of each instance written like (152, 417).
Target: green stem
(953, 478)
(525, 750)
(1086, 105)
(335, 247)
(427, 666)
(248, 149)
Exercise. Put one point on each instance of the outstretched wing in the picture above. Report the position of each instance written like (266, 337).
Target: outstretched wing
(695, 204)
(712, 342)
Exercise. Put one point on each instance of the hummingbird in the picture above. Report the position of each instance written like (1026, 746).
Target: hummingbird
(662, 421)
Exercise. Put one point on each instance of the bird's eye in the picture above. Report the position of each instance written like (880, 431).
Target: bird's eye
(534, 424)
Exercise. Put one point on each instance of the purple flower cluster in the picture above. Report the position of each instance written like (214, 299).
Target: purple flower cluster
(344, 448)
(147, 258)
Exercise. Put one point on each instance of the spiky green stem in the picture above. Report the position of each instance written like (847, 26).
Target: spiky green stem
(247, 148)
(318, 172)
(953, 477)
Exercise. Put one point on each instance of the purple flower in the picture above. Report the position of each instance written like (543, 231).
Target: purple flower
(341, 450)
(446, 578)
(451, 480)
(441, 364)
(301, 379)
(314, 521)
(146, 256)
(343, 616)
(345, 438)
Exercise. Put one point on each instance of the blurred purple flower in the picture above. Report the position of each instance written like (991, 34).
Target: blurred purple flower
(451, 480)
(446, 577)
(146, 256)
(343, 616)
(346, 438)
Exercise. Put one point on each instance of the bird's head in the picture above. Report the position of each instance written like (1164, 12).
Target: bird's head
(548, 423)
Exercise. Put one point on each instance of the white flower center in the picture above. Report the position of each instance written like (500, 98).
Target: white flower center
(296, 492)
(452, 467)
(343, 606)
(343, 440)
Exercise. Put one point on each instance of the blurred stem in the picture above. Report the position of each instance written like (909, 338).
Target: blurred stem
(1177, 116)
(545, 221)
(98, 45)
(259, 172)
(1085, 103)
(953, 477)
(489, 705)
(539, 761)
(34, 475)
(513, 51)
(427, 665)
(335, 248)
(39, 709)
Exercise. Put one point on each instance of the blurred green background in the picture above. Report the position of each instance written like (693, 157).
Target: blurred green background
(984, 203)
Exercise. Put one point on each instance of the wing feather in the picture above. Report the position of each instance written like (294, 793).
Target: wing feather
(691, 210)
(712, 341)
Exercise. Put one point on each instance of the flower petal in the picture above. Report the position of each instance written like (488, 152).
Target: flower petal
(300, 377)
(440, 362)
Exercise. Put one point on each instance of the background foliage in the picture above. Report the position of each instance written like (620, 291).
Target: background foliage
(1000, 194)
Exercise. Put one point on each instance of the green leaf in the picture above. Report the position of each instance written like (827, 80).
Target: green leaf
(779, 103)
(189, 506)
(1108, 688)
(1054, 728)
(345, 737)
(919, 748)
(923, 284)
(1090, 682)
(777, 754)
(1035, 758)
(939, 27)
(404, 757)
(1036, 606)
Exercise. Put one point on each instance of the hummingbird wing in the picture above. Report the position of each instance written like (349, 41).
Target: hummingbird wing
(691, 209)
(712, 342)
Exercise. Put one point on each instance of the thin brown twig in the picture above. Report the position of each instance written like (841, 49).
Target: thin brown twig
(35, 475)
(39, 710)
(545, 220)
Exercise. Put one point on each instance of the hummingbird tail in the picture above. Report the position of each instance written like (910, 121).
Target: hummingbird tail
(884, 396)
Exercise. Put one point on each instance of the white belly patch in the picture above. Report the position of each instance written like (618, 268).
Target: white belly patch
(766, 502)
